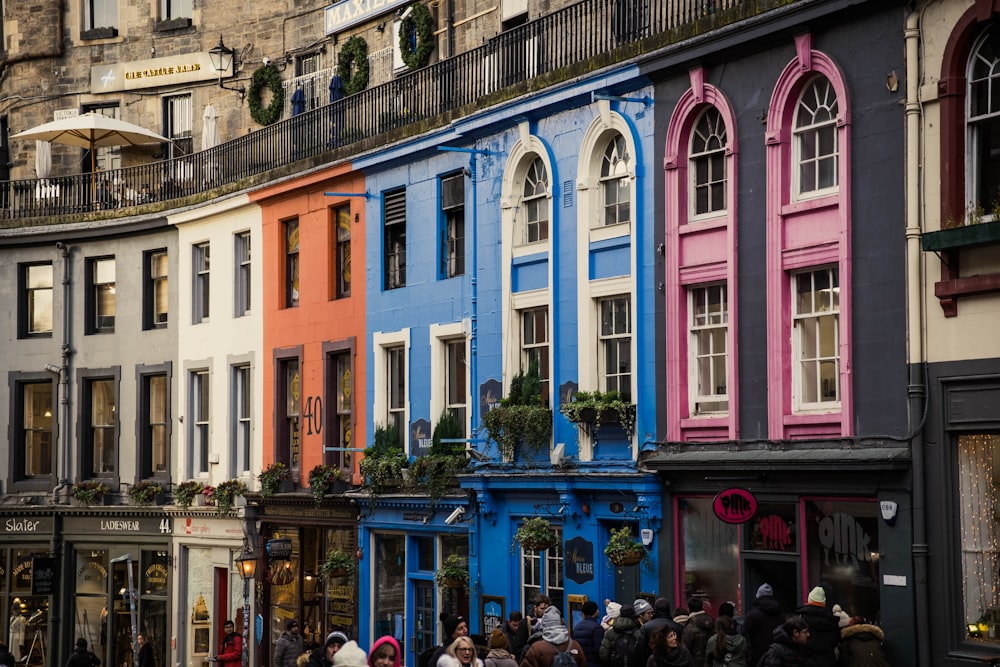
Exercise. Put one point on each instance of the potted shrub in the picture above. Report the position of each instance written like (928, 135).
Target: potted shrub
(591, 408)
(226, 493)
(145, 492)
(623, 549)
(90, 492)
(322, 480)
(521, 422)
(186, 493)
(384, 462)
(436, 474)
(276, 478)
(337, 564)
(454, 573)
(535, 534)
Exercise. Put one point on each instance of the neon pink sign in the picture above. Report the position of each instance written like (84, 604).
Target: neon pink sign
(735, 505)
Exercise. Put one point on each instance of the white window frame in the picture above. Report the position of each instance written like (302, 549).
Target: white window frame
(814, 321)
(614, 338)
(200, 410)
(540, 200)
(710, 153)
(710, 321)
(201, 264)
(616, 168)
(441, 335)
(243, 260)
(810, 132)
(978, 125)
(38, 298)
(241, 415)
(538, 567)
(383, 343)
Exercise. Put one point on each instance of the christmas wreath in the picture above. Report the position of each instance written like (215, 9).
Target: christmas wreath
(417, 27)
(353, 65)
(266, 76)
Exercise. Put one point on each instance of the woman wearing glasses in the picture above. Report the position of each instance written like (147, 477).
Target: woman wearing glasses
(461, 653)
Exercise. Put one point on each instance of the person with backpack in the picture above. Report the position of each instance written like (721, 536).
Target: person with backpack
(621, 642)
(589, 634)
(700, 626)
(667, 649)
(726, 648)
(555, 648)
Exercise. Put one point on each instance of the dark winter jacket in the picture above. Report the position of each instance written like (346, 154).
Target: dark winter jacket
(499, 657)
(516, 639)
(735, 654)
(649, 629)
(589, 634)
(674, 657)
(317, 658)
(699, 628)
(824, 634)
(759, 625)
(81, 657)
(287, 649)
(7, 658)
(621, 626)
(783, 652)
(861, 646)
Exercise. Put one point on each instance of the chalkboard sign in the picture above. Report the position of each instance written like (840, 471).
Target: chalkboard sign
(43, 575)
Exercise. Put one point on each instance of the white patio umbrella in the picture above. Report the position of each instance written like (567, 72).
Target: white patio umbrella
(91, 131)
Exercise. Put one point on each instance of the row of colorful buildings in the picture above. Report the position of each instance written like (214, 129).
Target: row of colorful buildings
(769, 228)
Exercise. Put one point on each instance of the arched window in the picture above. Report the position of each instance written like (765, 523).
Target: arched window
(615, 191)
(536, 203)
(708, 163)
(815, 131)
(983, 183)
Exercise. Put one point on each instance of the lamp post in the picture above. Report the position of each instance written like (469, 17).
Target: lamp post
(222, 59)
(247, 564)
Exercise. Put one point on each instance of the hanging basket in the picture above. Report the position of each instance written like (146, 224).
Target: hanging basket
(339, 572)
(535, 545)
(454, 583)
(628, 558)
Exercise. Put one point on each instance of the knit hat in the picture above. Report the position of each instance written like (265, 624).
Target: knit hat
(336, 637)
(291, 624)
(498, 639)
(451, 624)
(614, 609)
(817, 596)
(641, 606)
(350, 655)
(844, 619)
(765, 590)
(81, 643)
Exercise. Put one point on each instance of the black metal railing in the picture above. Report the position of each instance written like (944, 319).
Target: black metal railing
(590, 32)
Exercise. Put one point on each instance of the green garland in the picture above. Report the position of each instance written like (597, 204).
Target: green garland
(269, 76)
(354, 56)
(421, 23)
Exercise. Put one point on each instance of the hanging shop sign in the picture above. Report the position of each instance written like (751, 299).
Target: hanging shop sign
(735, 505)
(279, 549)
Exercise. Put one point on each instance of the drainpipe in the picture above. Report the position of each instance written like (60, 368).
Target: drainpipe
(58, 495)
(916, 389)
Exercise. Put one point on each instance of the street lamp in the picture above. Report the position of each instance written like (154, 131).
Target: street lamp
(246, 562)
(222, 59)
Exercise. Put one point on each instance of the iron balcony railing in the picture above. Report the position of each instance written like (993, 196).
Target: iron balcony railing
(590, 32)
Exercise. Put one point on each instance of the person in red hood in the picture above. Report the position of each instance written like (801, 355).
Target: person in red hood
(384, 653)
(555, 639)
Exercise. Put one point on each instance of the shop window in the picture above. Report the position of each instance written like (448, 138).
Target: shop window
(341, 602)
(91, 599)
(35, 311)
(291, 263)
(342, 252)
(979, 499)
(709, 554)
(390, 586)
(244, 274)
(542, 574)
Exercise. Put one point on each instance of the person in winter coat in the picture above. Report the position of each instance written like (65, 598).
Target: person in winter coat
(230, 647)
(6, 657)
(384, 653)
(323, 656)
(625, 624)
(824, 629)
(789, 646)
(589, 634)
(555, 639)
(145, 656)
(699, 628)
(661, 614)
(454, 627)
(461, 653)
(667, 649)
(614, 610)
(350, 655)
(81, 657)
(498, 655)
(289, 646)
(760, 622)
(726, 648)
(861, 645)
(516, 630)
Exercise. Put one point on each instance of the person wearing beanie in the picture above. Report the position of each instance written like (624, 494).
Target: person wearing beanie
(323, 655)
(350, 655)
(589, 634)
(555, 640)
(614, 610)
(643, 611)
(289, 647)
(761, 621)
(453, 626)
(81, 657)
(620, 646)
(516, 630)
(681, 616)
(699, 628)
(824, 629)
(384, 653)
(499, 655)
(661, 614)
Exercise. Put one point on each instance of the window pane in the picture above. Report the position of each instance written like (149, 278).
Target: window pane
(709, 552)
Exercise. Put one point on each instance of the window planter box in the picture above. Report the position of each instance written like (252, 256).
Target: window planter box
(983, 233)
(99, 33)
(949, 243)
(173, 24)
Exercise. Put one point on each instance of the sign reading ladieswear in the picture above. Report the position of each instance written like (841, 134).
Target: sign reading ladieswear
(174, 70)
(344, 14)
(735, 505)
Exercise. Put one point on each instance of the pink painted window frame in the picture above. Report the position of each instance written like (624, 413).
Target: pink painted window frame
(697, 253)
(802, 234)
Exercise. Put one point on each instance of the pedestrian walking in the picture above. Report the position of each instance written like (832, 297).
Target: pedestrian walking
(288, 648)
(461, 653)
(555, 646)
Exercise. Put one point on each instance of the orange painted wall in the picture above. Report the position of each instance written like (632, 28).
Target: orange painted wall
(319, 318)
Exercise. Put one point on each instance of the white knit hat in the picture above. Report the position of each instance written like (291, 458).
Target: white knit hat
(350, 655)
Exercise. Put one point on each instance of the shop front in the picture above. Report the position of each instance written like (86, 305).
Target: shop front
(27, 543)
